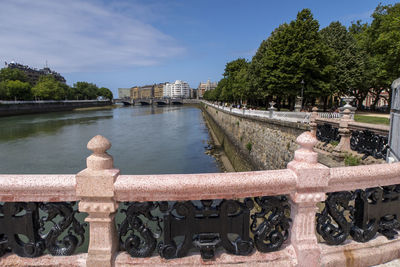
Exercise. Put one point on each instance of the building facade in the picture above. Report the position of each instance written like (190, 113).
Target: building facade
(135, 92)
(124, 93)
(203, 87)
(159, 90)
(146, 91)
(178, 89)
(33, 75)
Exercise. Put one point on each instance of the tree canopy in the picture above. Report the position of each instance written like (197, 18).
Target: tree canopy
(332, 62)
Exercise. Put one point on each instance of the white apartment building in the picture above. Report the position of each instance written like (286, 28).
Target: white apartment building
(177, 89)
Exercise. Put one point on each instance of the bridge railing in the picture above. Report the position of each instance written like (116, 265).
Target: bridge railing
(305, 215)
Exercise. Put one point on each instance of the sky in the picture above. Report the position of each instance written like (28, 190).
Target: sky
(122, 43)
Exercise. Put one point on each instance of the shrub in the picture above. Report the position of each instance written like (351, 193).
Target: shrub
(350, 160)
(334, 143)
(249, 146)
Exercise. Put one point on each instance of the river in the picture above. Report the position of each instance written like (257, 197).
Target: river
(145, 140)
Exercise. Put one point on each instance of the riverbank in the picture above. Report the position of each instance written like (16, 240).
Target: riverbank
(217, 151)
(227, 152)
(11, 108)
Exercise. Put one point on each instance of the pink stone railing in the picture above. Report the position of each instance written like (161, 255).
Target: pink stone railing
(99, 189)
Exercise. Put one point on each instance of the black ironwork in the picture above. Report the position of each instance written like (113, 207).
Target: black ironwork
(134, 224)
(270, 234)
(204, 225)
(326, 133)
(369, 144)
(24, 232)
(360, 214)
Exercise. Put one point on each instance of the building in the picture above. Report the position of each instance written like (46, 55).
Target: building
(124, 93)
(178, 89)
(193, 93)
(34, 74)
(203, 87)
(146, 91)
(158, 90)
(382, 102)
(135, 92)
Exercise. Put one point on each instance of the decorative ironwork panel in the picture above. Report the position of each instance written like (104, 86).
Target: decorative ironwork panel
(369, 144)
(326, 133)
(204, 225)
(25, 231)
(360, 214)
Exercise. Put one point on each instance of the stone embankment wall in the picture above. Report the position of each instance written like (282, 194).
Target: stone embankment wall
(8, 108)
(254, 143)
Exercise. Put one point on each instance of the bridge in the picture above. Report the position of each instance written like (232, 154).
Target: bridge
(287, 217)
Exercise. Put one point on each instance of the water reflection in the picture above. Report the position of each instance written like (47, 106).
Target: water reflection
(145, 140)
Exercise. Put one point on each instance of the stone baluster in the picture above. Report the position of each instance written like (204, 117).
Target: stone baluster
(311, 179)
(95, 189)
(345, 134)
(313, 121)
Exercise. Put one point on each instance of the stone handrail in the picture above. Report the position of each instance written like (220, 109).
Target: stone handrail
(50, 101)
(100, 187)
(302, 117)
(31, 188)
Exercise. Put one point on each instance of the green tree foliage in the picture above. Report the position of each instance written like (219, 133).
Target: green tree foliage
(48, 88)
(384, 48)
(105, 92)
(85, 90)
(12, 75)
(13, 85)
(15, 90)
(349, 61)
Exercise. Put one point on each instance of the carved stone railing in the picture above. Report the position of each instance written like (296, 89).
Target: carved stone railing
(300, 216)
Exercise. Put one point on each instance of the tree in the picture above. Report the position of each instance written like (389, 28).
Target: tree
(349, 61)
(85, 90)
(17, 90)
(13, 75)
(105, 92)
(48, 88)
(294, 52)
(384, 48)
(234, 85)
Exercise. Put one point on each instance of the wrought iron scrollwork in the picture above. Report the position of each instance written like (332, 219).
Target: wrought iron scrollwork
(360, 214)
(134, 225)
(25, 233)
(369, 144)
(270, 234)
(335, 206)
(204, 225)
(326, 133)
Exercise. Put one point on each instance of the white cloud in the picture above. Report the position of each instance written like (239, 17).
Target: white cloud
(80, 36)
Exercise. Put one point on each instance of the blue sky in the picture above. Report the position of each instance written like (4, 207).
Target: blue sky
(125, 43)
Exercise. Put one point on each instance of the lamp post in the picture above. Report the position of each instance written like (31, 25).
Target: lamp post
(302, 89)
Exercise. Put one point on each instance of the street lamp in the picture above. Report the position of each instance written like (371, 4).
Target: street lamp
(302, 89)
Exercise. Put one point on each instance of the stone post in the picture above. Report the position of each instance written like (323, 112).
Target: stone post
(271, 109)
(345, 134)
(313, 121)
(311, 180)
(95, 189)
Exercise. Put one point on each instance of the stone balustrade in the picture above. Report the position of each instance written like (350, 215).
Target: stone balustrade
(305, 215)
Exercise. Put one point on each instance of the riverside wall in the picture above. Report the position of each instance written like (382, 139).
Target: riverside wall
(8, 108)
(254, 143)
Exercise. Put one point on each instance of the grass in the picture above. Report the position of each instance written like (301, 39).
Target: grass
(371, 119)
(249, 146)
(351, 160)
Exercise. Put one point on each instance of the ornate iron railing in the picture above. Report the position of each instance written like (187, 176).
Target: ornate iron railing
(327, 133)
(360, 214)
(369, 143)
(204, 225)
(28, 229)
